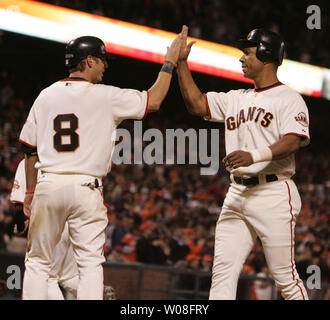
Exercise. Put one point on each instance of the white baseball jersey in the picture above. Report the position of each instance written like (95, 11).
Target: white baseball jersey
(72, 123)
(19, 187)
(257, 118)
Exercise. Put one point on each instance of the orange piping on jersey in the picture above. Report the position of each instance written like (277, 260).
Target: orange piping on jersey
(27, 144)
(291, 249)
(147, 106)
(297, 134)
(207, 106)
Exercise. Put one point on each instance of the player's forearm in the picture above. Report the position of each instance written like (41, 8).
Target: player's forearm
(286, 146)
(159, 90)
(279, 150)
(193, 97)
(31, 172)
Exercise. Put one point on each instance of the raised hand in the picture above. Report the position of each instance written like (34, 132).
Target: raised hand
(173, 51)
(185, 48)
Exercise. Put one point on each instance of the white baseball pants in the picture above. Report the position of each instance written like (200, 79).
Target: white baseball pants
(59, 198)
(64, 270)
(268, 211)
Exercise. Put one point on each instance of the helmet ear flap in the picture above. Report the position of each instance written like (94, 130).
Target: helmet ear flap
(266, 54)
(263, 53)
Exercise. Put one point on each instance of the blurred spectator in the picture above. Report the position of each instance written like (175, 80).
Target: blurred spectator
(5, 294)
(187, 281)
(3, 245)
(116, 255)
(178, 247)
(245, 288)
(149, 249)
(263, 288)
(129, 247)
(206, 263)
(6, 228)
(122, 224)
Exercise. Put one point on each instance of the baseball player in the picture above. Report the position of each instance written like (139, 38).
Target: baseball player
(264, 127)
(69, 135)
(64, 269)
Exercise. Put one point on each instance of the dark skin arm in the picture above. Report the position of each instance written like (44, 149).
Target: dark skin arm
(31, 181)
(192, 96)
(281, 149)
(196, 105)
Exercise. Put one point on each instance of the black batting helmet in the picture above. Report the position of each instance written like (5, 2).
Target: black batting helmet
(78, 49)
(270, 45)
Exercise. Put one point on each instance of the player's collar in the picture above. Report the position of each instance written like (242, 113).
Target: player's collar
(73, 79)
(268, 87)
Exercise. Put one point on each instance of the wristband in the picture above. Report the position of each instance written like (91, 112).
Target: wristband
(168, 67)
(29, 192)
(259, 155)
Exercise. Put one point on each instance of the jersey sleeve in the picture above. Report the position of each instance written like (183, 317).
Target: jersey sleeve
(217, 105)
(294, 119)
(128, 103)
(28, 135)
(19, 186)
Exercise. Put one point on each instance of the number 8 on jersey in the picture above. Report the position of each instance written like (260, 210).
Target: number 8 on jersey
(66, 138)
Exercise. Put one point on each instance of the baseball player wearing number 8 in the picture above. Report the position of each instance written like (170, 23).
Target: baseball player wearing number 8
(264, 127)
(70, 135)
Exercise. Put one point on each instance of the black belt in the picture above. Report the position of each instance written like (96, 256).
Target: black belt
(253, 181)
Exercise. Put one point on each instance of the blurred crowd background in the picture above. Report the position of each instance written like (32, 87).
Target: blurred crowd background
(166, 214)
(224, 21)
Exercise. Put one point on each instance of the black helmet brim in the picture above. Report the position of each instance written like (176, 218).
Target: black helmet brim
(244, 43)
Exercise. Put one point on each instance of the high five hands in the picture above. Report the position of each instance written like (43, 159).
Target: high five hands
(173, 51)
(179, 49)
(185, 48)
